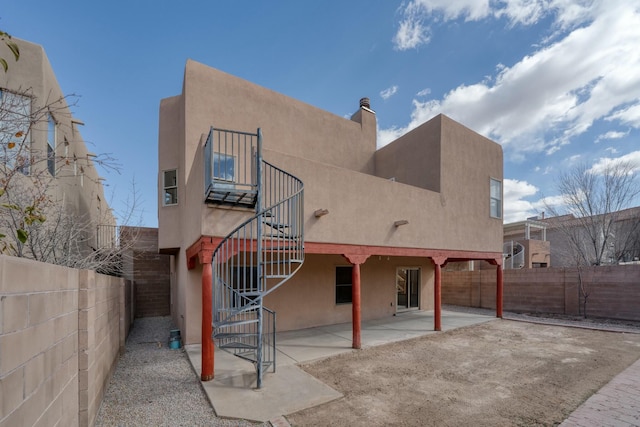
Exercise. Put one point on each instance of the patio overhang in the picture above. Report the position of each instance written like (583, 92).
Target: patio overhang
(201, 251)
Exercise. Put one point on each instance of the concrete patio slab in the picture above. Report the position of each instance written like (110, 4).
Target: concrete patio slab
(233, 392)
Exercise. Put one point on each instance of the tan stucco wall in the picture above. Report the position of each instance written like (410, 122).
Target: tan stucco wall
(441, 169)
(413, 159)
(308, 299)
(171, 156)
(33, 76)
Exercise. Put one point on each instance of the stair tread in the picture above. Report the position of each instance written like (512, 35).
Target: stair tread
(225, 335)
(239, 345)
(236, 323)
(276, 225)
(281, 261)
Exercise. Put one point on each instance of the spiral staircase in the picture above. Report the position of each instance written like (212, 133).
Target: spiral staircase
(259, 255)
(513, 255)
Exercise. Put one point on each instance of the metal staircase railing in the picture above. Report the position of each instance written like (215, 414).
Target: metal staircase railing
(256, 258)
(513, 255)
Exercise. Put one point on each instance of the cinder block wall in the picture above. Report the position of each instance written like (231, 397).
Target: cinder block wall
(60, 333)
(614, 291)
(150, 271)
(152, 283)
(99, 338)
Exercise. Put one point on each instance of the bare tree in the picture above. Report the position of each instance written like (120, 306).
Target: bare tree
(36, 221)
(592, 217)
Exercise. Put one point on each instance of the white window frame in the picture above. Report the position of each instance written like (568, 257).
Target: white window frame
(495, 200)
(173, 186)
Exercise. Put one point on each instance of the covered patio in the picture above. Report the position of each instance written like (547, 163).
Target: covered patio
(232, 392)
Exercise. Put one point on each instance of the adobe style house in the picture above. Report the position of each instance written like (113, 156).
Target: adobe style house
(258, 190)
(526, 244)
(623, 246)
(42, 151)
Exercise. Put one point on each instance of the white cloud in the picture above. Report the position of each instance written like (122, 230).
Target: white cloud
(424, 92)
(611, 135)
(411, 34)
(612, 150)
(515, 207)
(602, 164)
(555, 93)
(389, 92)
(571, 160)
(629, 115)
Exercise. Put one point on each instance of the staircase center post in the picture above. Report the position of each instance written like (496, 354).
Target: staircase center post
(262, 281)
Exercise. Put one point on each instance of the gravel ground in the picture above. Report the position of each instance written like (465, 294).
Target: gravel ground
(154, 385)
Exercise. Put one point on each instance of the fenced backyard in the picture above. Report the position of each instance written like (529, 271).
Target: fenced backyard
(613, 291)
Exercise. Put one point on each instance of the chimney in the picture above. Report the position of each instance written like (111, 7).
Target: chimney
(364, 102)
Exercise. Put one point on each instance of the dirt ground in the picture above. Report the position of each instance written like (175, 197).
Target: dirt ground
(500, 373)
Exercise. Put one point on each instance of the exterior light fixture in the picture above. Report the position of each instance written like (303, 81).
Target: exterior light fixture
(401, 222)
(320, 212)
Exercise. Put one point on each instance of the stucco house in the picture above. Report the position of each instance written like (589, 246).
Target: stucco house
(258, 190)
(526, 244)
(44, 158)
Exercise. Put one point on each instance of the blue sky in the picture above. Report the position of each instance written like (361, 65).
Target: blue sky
(555, 82)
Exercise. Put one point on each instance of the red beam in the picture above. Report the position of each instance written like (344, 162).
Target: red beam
(207, 244)
(369, 250)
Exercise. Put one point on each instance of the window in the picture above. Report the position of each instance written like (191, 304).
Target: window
(51, 145)
(496, 198)
(343, 284)
(223, 167)
(15, 120)
(170, 185)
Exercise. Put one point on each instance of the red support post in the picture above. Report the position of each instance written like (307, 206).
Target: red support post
(437, 298)
(499, 291)
(355, 306)
(356, 309)
(207, 320)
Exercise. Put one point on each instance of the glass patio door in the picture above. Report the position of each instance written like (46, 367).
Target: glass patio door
(407, 285)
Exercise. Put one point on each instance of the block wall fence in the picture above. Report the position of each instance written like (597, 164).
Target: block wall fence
(614, 291)
(61, 331)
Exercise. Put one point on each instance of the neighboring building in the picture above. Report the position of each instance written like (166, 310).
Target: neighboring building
(623, 241)
(41, 148)
(378, 224)
(525, 244)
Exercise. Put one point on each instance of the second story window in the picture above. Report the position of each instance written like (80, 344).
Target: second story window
(51, 145)
(496, 198)
(170, 187)
(15, 120)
